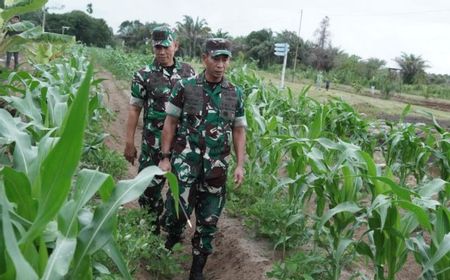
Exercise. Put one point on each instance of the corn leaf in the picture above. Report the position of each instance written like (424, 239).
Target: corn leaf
(418, 212)
(59, 166)
(18, 191)
(23, 268)
(60, 259)
(350, 207)
(99, 232)
(23, 151)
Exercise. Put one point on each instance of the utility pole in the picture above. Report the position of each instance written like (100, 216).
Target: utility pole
(45, 10)
(296, 48)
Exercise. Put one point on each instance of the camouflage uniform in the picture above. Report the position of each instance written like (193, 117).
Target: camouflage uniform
(150, 89)
(207, 113)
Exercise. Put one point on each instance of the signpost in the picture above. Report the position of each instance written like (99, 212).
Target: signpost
(282, 49)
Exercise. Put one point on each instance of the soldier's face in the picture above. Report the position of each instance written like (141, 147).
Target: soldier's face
(215, 66)
(164, 55)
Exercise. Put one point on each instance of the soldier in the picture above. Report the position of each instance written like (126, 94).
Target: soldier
(204, 115)
(12, 53)
(150, 89)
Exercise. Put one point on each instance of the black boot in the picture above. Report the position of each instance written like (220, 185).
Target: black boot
(171, 241)
(198, 263)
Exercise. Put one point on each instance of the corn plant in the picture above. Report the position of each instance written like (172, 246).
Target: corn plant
(433, 255)
(408, 149)
(119, 62)
(394, 214)
(48, 230)
(335, 167)
(442, 151)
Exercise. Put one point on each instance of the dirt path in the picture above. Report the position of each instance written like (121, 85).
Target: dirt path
(236, 256)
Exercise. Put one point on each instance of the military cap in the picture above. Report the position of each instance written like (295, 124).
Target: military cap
(163, 36)
(218, 46)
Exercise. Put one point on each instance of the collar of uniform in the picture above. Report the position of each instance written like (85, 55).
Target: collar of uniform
(201, 79)
(159, 67)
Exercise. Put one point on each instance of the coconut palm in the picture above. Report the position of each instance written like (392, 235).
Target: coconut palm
(413, 67)
(192, 34)
(221, 34)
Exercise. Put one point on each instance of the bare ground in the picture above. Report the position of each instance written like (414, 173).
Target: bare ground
(237, 255)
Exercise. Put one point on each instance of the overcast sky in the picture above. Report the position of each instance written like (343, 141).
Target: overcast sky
(382, 29)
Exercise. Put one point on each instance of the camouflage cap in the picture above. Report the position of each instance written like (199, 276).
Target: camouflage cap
(218, 46)
(163, 36)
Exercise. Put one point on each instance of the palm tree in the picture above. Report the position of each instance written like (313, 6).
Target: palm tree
(221, 34)
(413, 67)
(192, 34)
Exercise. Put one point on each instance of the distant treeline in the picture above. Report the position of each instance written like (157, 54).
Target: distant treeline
(257, 48)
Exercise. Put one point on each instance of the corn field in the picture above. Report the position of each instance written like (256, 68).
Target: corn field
(352, 189)
(355, 189)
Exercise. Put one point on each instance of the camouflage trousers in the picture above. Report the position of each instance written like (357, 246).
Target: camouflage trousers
(151, 199)
(202, 189)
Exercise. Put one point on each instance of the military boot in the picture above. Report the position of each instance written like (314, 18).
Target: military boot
(198, 263)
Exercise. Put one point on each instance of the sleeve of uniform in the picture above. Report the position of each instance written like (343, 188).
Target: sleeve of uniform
(137, 90)
(176, 99)
(240, 119)
(192, 71)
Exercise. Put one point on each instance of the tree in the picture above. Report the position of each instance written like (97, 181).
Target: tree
(323, 59)
(89, 30)
(221, 34)
(323, 54)
(192, 35)
(136, 34)
(260, 46)
(323, 34)
(372, 66)
(413, 68)
(293, 40)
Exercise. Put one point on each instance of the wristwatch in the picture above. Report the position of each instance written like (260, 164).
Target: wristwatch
(164, 155)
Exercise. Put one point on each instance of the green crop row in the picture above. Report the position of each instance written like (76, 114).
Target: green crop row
(314, 164)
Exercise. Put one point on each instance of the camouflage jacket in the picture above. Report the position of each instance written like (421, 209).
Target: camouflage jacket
(150, 88)
(207, 114)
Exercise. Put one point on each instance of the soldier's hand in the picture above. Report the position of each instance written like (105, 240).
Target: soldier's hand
(238, 176)
(165, 165)
(130, 153)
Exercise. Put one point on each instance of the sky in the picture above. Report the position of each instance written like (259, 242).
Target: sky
(381, 29)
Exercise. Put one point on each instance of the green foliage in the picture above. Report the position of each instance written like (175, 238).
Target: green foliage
(300, 266)
(106, 160)
(280, 223)
(259, 47)
(307, 153)
(413, 68)
(135, 240)
(191, 35)
(119, 62)
(86, 29)
(48, 230)
(137, 35)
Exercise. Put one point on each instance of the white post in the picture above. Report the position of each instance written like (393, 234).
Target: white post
(284, 69)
